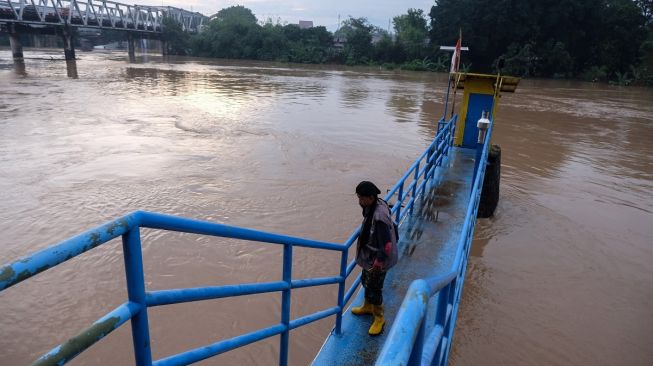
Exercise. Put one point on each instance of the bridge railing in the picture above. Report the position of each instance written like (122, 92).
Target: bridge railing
(407, 342)
(97, 14)
(139, 299)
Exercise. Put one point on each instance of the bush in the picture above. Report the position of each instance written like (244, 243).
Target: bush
(595, 73)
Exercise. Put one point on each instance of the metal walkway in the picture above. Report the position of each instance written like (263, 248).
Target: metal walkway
(427, 247)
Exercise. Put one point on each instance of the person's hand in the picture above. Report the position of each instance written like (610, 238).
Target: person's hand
(378, 265)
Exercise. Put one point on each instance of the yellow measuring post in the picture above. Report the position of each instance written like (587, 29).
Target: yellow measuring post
(482, 93)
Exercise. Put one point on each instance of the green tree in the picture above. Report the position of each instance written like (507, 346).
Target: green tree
(177, 42)
(358, 35)
(312, 46)
(412, 33)
(235, 33)
(235, 14)
(646, 7)
(644, 72)
(550, 38)
(232, 33)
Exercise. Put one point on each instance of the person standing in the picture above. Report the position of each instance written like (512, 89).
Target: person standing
(376, 252)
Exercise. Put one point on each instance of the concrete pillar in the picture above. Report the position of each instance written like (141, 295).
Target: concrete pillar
(16, 46)
(68, 44)
(19, 67)
(37, 41)
(164, 48)
(132, 48)
(71, 69)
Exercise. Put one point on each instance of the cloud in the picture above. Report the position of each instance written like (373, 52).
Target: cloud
(324, 13)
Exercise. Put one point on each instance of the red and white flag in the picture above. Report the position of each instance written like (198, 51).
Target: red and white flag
(455, 58)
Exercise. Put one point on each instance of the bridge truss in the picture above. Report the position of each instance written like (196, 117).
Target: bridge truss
(97, 14)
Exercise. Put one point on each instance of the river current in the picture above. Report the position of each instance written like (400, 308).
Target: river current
(561, 275)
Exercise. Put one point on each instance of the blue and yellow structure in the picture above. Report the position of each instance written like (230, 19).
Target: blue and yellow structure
(482, 92)
(436, 203)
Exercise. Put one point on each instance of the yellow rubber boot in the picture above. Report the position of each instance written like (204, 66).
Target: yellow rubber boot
(367, 308)
(379, 321)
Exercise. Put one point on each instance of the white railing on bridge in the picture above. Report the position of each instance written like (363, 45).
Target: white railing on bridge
(97, 13)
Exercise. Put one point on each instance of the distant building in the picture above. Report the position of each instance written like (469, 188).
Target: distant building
(305, 24)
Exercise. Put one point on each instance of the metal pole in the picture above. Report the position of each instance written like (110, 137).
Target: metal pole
(131, 244)
(416, 178)
(446, 101)
(418, 347)
(441, 316)
(400, 201)
(341, 290)
(483, 125)
(285, 304)
(453, 103)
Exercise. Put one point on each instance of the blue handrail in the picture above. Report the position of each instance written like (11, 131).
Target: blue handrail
(407, 342)
(139, 300)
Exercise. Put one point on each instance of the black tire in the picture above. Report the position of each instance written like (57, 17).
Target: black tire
(490, 193)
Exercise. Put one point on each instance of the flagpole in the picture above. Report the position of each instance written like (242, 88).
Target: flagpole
(455, 62)
(446, 101)
(453, 103)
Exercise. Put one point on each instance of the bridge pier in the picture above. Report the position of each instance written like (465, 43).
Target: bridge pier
(68, 44)
(71, 69)
(19, 67)
(16, 45)
(132, 48)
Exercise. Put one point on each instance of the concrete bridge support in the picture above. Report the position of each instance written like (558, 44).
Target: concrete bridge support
(68, 44)
(132, 48)
(16, 45)
(71, 69)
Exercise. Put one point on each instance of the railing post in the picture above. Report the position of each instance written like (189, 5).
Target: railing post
(429, 164)
(131, 244)
(451, 300)
(418, 347)
(341, 290)
(441, 316)
(452, 133)
(400, 200)
(416, 178)
(285, 304)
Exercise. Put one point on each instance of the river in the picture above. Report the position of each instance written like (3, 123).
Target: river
(561, 274)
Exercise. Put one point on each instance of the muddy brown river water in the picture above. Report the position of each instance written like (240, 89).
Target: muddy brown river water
(562, 275)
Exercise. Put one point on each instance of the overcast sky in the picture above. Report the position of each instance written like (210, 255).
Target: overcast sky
(321, 12)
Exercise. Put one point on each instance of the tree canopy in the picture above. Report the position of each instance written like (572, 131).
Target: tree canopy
(563, 38)
(589, 39)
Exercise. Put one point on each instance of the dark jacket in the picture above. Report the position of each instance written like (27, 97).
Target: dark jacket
(381, 232)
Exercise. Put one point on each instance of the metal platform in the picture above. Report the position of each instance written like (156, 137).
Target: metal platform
(428, 245)
(436, 203)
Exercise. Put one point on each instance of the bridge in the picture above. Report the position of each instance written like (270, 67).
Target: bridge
(62, 17)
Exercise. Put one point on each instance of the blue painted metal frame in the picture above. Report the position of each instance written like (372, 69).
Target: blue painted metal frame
(411, 186)
(407, 342)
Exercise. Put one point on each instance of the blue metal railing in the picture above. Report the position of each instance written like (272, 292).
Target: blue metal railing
(407, 342)
(406, 191)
